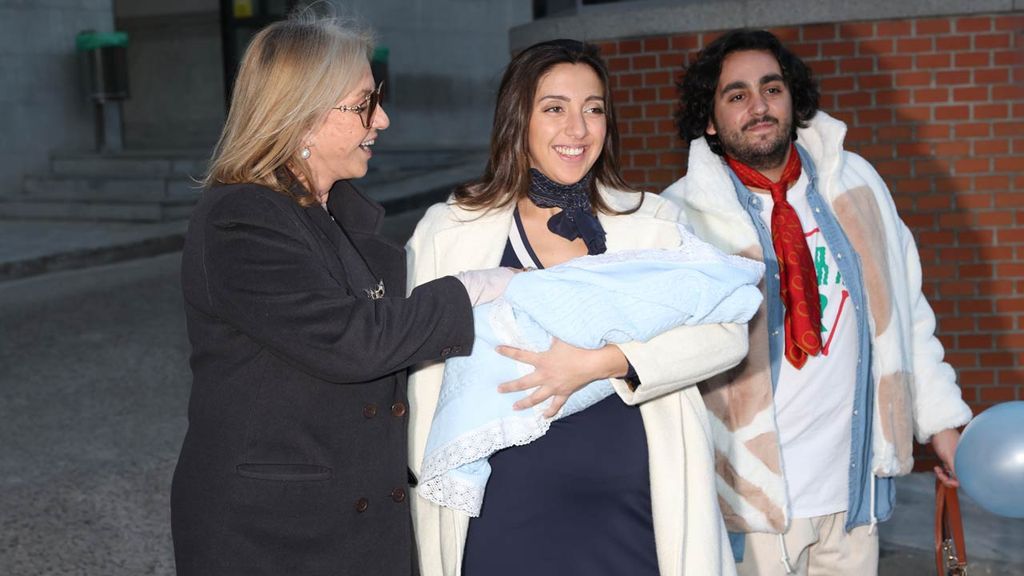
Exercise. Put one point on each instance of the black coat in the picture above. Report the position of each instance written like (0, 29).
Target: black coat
(295, 456)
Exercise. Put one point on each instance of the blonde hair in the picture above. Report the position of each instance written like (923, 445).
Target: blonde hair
(292, 73)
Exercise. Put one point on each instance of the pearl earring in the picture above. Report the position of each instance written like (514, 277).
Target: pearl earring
(305, 153)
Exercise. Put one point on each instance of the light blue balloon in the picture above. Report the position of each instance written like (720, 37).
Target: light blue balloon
(990, 459)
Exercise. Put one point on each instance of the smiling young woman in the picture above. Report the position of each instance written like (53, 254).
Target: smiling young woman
(581, 499)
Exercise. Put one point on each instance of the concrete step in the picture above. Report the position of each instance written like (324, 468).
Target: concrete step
(95, 211)
(126, 165)
(110, 188)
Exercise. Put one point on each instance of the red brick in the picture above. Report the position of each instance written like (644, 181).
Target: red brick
(974, 341)
(972, 130)
(671, 60)
(972, 165)
(932, 167)
(976, 271)
(621, 96)
(992, 76)
(991, 147)
(892, 97)
(1010, 200)
(1008, 128)
(932, 26)
(932, 131)
(1008, 92)
(980, 378)
(974, 202)
(644, 95)
(971, 94)
(858, 134)
(805, 50)
(668, 93)
(996, 288)
(618, 63)
(873, 81)
(857, 30)
(854, 100)
(894, 133)
(950, 289)
(874, 116)
(940, 237)
(972, 59)
(997, 394)
(933, 61)
(631, 80)
(990, 41)
(823, 68)
(973, 237)
(645, 62)
(642, 127)
(684, 42)
(630, 46)
(959, 359)
(895, 62)
(818, 32)
(954, 113)
(1008, 58)
(656, 44)
(931, 95)
(953, 43)
(954, 148)
(948, 77)
(991, 182)
(996, 323)
(914, 113)
(911, 149)
(990, 111)
(893, 28)
(914, 45)
(834, 49)
(659, 142)
(913, 79)
(1009, 164)
(972, 306)
(994, 219)
(876, 46)
(837, 84)
(982, 24)
(630, 111)
(1018, 146)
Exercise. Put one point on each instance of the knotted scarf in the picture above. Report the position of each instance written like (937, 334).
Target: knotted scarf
(576, 220)
(799, 283)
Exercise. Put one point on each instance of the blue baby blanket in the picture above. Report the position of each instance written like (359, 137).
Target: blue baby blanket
(587, 302)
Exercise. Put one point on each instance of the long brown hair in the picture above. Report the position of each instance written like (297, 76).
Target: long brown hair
(292, 73)
(507, 176)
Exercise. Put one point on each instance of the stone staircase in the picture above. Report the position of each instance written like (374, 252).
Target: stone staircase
(125, 187)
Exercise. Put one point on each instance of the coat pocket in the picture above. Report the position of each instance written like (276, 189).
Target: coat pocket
(284, 472)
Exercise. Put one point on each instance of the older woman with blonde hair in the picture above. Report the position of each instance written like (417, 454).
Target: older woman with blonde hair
(295, 457)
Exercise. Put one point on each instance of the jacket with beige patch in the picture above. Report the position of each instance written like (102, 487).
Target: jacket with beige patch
(689, 533)
(904, 387)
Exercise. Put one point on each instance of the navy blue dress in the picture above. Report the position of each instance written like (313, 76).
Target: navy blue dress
(575, 501)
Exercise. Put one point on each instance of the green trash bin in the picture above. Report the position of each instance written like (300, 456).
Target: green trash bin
(104, 58)
(106, 64)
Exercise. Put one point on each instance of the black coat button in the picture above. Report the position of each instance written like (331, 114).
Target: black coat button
(446, 351)
(362, 504)
(398, 409)
(370, 410)
(398, 495)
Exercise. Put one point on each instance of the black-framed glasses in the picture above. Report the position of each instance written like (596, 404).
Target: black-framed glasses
(369, 105)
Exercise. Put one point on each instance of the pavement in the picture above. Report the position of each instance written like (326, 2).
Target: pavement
(406, 182)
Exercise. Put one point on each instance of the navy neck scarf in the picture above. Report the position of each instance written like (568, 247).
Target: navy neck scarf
(576, 220)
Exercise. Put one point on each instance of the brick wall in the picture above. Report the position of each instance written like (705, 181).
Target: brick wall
(937, 106)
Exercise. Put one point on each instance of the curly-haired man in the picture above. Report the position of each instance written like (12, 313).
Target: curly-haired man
(844, 367)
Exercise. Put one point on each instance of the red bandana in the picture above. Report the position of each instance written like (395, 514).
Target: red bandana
(799, 285)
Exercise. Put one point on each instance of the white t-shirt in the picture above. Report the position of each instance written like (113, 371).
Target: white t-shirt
(814, 405)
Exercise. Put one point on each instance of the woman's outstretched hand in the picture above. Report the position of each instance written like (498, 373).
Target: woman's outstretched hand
(561, 370)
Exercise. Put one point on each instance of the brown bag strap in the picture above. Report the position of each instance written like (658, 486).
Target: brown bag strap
(950, 552)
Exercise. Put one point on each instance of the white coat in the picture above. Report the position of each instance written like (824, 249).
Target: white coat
(689, 532)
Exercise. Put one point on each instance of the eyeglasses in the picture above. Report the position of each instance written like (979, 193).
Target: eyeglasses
(369, 105)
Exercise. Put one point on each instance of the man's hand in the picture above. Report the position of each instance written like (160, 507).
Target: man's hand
(944, 443)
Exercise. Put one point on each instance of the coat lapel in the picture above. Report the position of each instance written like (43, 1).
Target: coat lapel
(476, 243)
